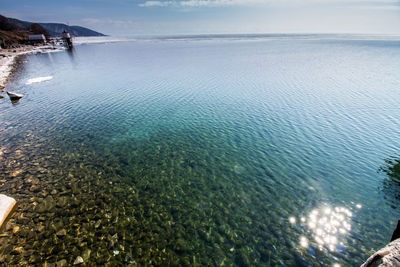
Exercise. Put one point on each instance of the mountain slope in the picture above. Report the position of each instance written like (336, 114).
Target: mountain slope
(56, 29)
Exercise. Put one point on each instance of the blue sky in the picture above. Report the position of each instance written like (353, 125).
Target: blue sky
(130, 17)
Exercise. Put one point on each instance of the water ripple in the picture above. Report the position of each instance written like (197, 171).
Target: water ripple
(232, 149)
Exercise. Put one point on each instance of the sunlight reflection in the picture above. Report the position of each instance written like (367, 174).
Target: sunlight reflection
(328, 226)
(303, 242)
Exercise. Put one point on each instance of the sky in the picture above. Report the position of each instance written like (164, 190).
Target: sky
(166, 17)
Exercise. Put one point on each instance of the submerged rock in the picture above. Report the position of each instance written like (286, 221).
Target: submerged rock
(61, 263)
(128, 258)
(16, 229)
(15, 96)
(86, 254)
(387, 256)
(7, 205)
(115, 252)
(78, 260)
(113, 240)
(62, 232)
(17, 250)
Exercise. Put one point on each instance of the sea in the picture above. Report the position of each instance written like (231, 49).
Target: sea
(206, 150)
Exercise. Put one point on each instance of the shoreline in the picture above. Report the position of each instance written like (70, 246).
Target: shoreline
(8, 56)
(7, 60)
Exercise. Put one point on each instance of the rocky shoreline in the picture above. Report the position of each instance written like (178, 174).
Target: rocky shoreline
(8, 56)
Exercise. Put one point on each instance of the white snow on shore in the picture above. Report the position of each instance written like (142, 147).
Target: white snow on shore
(6, 62)
(39, 79)
(5, 69)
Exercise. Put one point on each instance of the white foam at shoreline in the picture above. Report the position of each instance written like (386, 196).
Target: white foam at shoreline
(39, 79)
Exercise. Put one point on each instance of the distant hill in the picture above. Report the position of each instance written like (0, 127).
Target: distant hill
(14, 32)
(56, 29)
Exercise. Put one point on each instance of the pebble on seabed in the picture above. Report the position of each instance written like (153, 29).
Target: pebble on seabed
(78, 260)
(102, 223)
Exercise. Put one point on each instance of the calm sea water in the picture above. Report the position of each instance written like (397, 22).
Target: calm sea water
(245, 151)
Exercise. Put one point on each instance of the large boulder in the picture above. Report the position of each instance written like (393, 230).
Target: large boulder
(7, 206)
(388, 256)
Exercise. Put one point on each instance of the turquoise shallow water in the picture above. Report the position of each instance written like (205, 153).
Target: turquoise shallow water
(204, 152)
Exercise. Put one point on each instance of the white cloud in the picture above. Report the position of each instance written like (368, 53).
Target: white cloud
(105, 21)
(379, 4)
(105, 25)
(383, 7)
(157, 3)
(200, 3)
(91, 20)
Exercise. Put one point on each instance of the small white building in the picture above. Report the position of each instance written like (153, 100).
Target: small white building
(66, 34)
(37, 38)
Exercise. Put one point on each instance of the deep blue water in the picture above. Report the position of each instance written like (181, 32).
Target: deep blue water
(251, 152)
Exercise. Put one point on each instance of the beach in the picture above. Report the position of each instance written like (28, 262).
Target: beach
(8, 56)
(7, 60)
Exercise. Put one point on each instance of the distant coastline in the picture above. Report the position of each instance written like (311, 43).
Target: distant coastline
(15, 32)
(56, 29)
(14, 41)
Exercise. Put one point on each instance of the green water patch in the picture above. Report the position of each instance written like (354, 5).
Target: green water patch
(391, 183)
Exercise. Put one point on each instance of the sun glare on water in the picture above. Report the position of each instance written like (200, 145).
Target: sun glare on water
(327, 227)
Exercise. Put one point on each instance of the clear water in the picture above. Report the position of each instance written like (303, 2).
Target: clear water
(203, 152)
